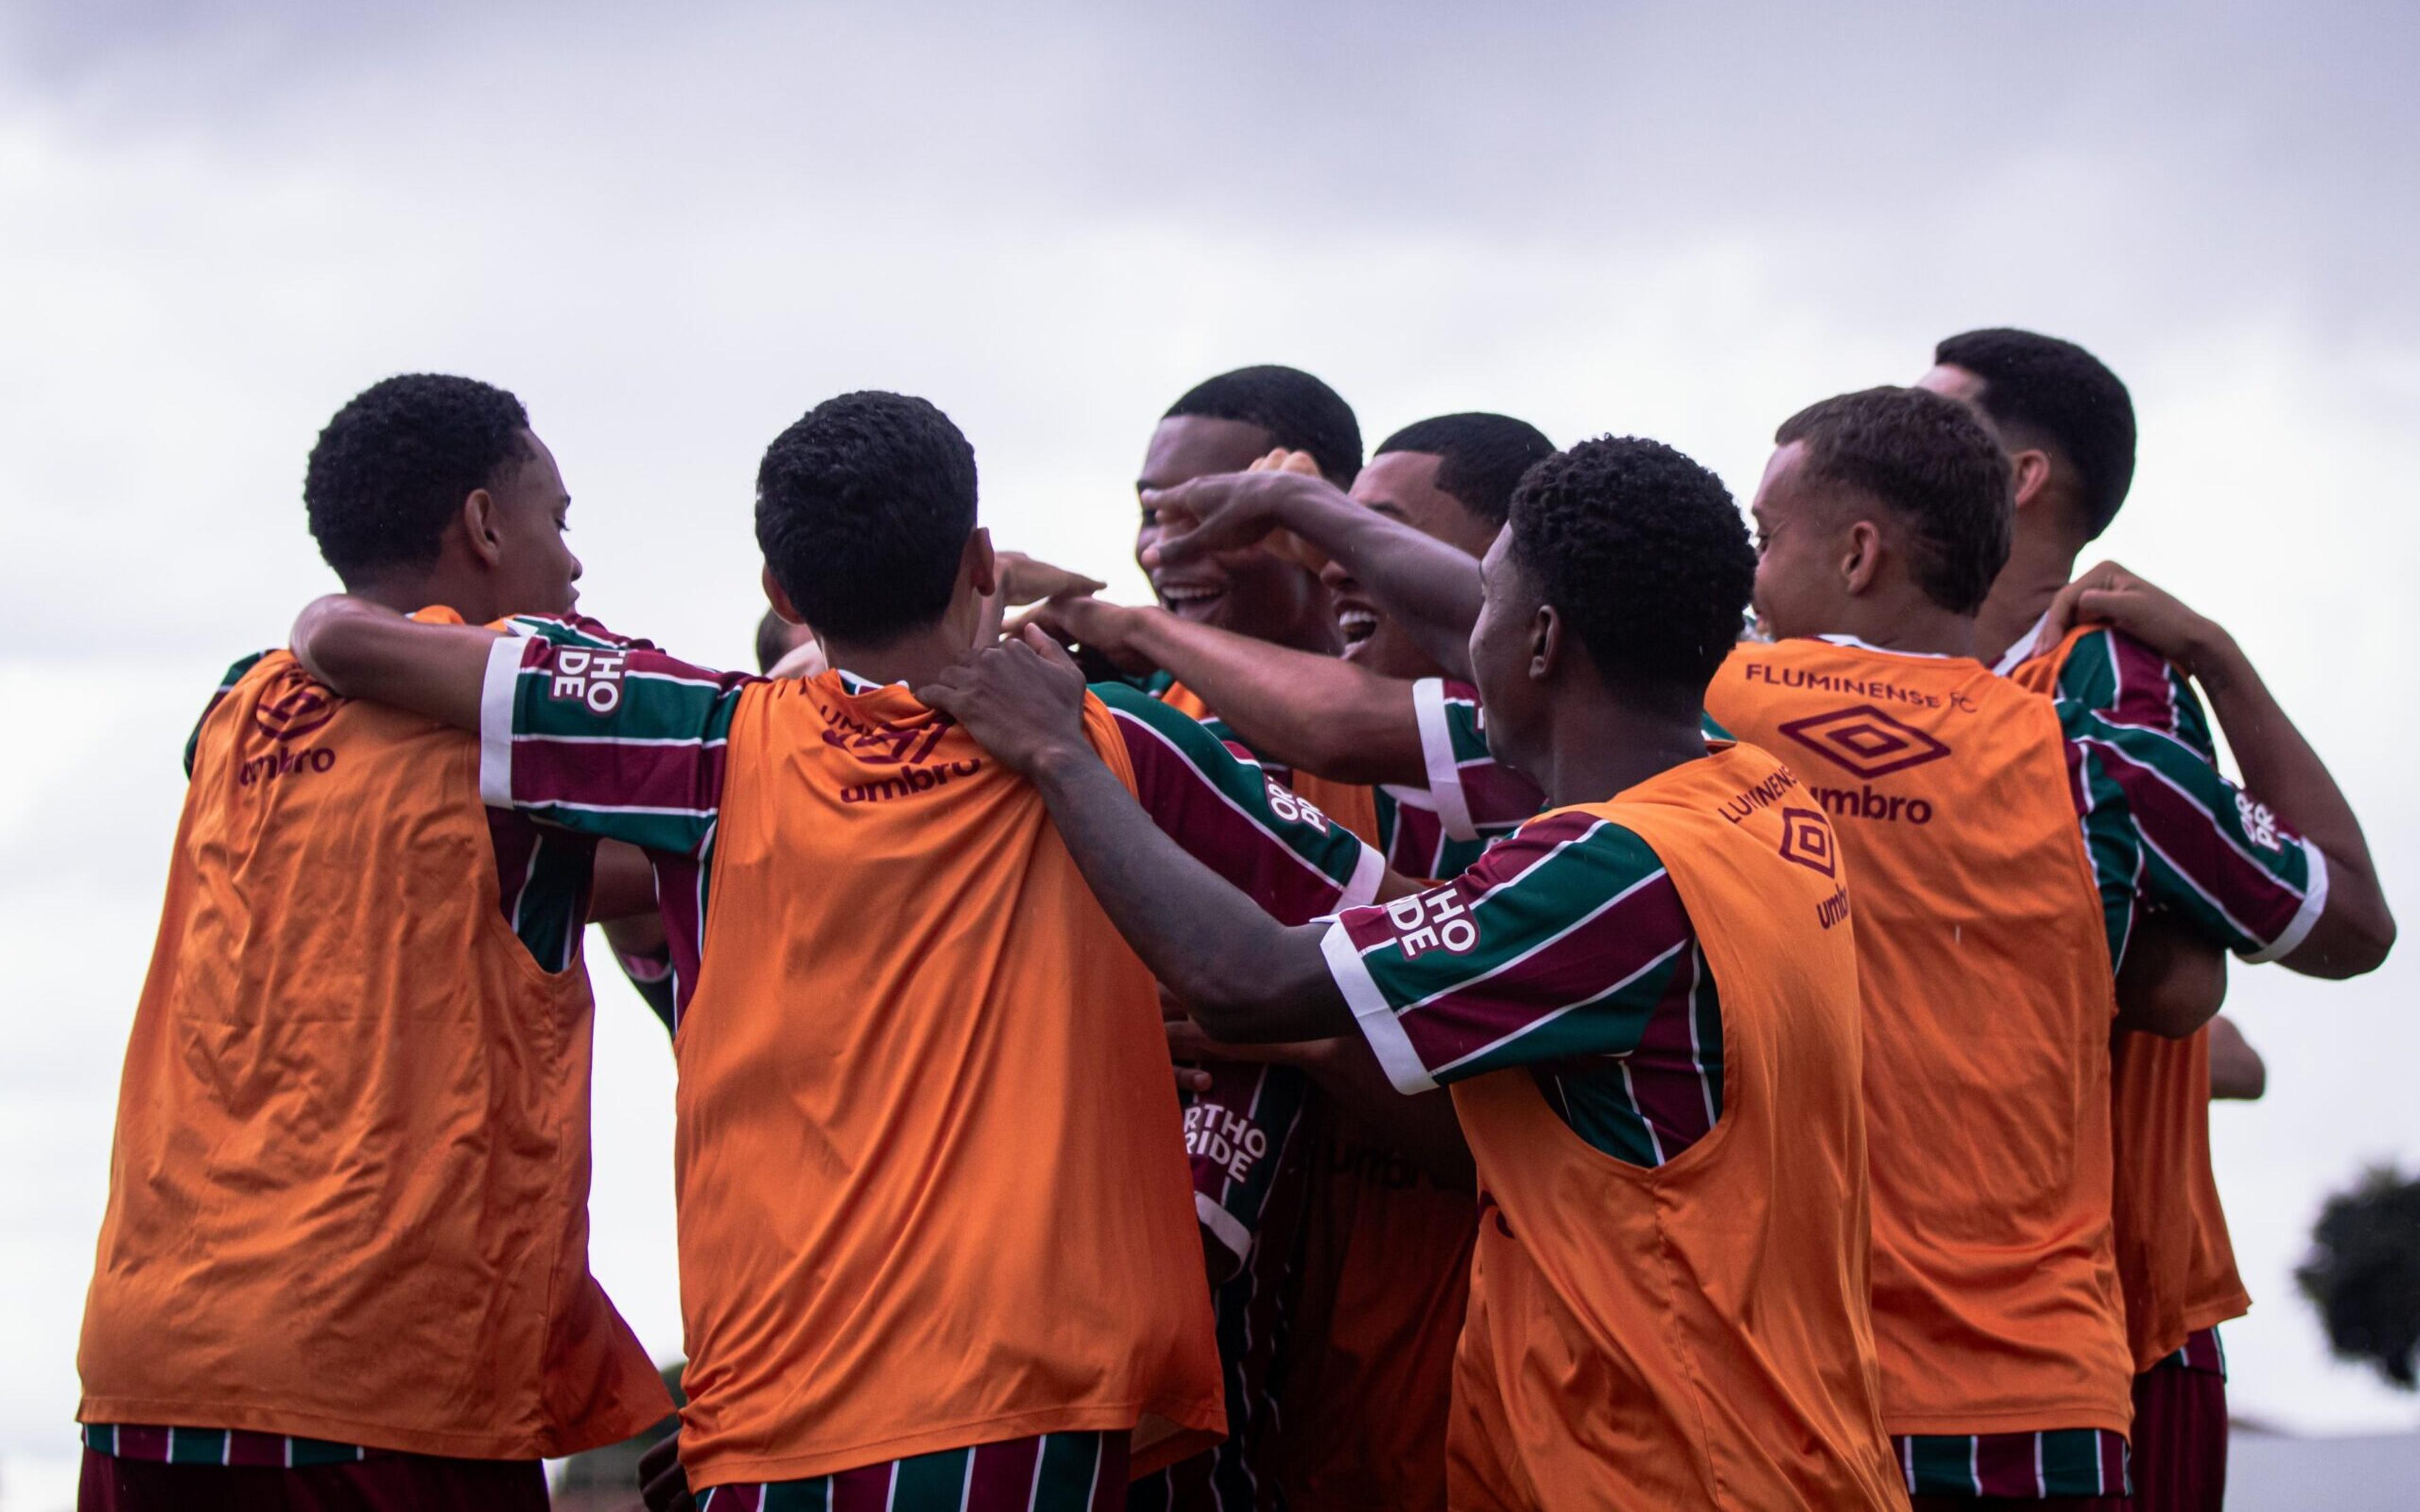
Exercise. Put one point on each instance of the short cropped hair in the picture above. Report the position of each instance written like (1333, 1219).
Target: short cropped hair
(390, 472)
(1644, 553)
(1481, 457)
(1299, 412)
(1929, 461)
(863, 508)
(2065, 395)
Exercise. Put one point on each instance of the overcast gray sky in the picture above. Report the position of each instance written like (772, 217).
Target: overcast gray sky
(670, 236)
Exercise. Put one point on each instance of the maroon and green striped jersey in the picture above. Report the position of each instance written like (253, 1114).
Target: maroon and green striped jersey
(1563, 952)
(1050, 1472)
(1469, 801)
(2163, 827)
(613, 739)
(2049, 1462)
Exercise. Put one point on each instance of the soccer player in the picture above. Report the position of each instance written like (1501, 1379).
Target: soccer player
(1387, 1252)
(934, 1231)
(1644, 1000)
(345, 1260)
(2066, 425)
(1885, 517)
(1253, 1130)
(1989, 924)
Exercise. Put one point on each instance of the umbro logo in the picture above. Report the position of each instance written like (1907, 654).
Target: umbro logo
(1807, 839)
(1864, 740)
(295, 714)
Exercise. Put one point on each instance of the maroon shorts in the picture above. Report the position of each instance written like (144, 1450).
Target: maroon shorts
(384, 1483)
(2179, 1440)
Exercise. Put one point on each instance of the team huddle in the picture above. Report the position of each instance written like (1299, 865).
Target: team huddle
(1510, 986)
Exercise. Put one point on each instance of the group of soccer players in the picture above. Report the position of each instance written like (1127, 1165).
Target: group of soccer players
(1499, 990)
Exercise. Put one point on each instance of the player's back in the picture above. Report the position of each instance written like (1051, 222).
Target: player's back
(930, 1165)
(348, 1195)
(1988, 997)
(1693, 1333)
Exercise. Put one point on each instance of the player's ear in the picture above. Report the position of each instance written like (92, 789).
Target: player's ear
(779, 600)
(1861, 558)
(1545, 643)
(2030, 472)
(979, 564)
(481, 527)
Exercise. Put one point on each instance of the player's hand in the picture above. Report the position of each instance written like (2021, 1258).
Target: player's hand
(2149, 613)
(1229, 511)
(1187, 1041)
(1024, 579)
(1097, 625)
(664, 1484)
(1022, 700)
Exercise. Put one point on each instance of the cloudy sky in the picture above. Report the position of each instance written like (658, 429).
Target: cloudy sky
(672, 237)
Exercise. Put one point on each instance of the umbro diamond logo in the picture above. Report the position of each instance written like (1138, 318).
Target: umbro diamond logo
(1864, 740)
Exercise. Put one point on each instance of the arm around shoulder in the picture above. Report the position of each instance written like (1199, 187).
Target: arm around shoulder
(368, 651)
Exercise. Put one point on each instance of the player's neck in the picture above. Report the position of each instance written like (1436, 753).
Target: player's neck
(2039, 564)
(408, 592)
(1599, 746)
(1908, 622)
(916, 658)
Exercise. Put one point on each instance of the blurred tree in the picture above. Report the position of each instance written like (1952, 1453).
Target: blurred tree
(2363, 1272)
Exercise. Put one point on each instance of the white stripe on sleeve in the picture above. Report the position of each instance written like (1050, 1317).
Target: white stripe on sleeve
(1436, 754)
(496, 720)
(2315, 903)
(1387, 1041)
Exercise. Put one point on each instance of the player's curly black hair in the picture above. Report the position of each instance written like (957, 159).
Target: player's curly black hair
(862, 509)
(390, 472)
(2044, 392)
(1481, 457)
(1299, 412)
(1644, 553)
(1932, 463)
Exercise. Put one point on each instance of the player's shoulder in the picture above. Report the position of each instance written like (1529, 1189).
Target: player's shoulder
(571, 630)
(1589, 841)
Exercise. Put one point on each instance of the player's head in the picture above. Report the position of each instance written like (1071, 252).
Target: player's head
(1225, 425)
(1624, 573)
(2065, 420)
(1875, 502)
(866, 512)
(1451, 478)
(777, 637)
(430, 487)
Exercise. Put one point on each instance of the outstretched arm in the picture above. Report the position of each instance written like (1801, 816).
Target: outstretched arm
(1243, 976)
(1318, 714)
(2354, 929)
(368, 651)
(1431, 588)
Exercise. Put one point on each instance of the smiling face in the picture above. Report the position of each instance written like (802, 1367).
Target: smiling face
(1251, 592)
(1401, 486)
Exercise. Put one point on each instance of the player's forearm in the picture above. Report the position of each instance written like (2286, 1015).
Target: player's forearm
(1241, 974)
(1429, 587)
(1301, 710)
(366, 651)
(2280, 768)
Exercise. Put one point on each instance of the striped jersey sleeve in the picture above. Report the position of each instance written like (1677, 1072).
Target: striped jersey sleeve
(2162, 826)
(1468, 801)
(1231, 815)
(1562, 942)
(233, 676)
(605, 737)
